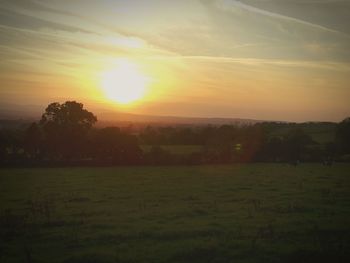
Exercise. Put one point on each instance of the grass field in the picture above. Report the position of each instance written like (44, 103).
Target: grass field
(238, 213)
(176, 149)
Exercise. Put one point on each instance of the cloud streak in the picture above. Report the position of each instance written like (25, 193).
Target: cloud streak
(232, 5)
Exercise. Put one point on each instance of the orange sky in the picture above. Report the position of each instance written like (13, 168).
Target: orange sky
(281, 60)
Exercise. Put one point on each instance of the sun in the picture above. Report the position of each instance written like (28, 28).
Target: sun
(125, 83)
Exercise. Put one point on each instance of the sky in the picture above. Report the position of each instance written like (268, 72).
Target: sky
(258, 59)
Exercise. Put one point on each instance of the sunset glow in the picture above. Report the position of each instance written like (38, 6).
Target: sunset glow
(266, 60)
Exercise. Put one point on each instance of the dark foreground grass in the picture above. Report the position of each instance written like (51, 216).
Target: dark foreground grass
(238, 213)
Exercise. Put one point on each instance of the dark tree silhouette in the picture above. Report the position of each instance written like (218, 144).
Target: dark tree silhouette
(65, 127)
(107, 143)
(4, 145)
(274, 149)
(11, 150)
(343, 136)
(112, 145)
(64, 136)
(33, 141)
(296, 142)
(69, 114)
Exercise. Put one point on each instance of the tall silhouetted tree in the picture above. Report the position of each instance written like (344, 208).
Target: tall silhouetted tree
(65, 127)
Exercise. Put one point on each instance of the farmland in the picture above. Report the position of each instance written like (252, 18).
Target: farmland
(230, 213)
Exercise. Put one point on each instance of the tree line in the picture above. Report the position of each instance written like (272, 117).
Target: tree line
(65, 135)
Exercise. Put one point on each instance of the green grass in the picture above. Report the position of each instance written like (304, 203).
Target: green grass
(238, 213)
(176, 149)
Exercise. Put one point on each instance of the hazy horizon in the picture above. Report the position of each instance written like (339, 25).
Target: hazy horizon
(250, 59)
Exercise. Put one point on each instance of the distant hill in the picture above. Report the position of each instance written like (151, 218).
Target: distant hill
(120, 118)
(14, 124)
(30, 113)
(16, 111)
(26, 115)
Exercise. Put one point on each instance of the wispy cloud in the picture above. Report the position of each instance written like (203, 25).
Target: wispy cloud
(18, 20)
(329, 65)
(232, 5)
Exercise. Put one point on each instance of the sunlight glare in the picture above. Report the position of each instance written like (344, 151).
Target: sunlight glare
(125, 83)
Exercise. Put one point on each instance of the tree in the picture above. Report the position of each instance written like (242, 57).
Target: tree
(11, 149)
(112, 145)
(69, 114)
(4, 145)
(65, 127)
(274, 148)
(107, 143)
(343, 136)
(33, 141)
(295, 144)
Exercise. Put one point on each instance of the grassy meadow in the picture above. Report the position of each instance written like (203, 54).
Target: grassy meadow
(233, 213)
(175, 149)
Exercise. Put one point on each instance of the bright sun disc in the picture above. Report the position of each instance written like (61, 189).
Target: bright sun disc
(125, 83)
